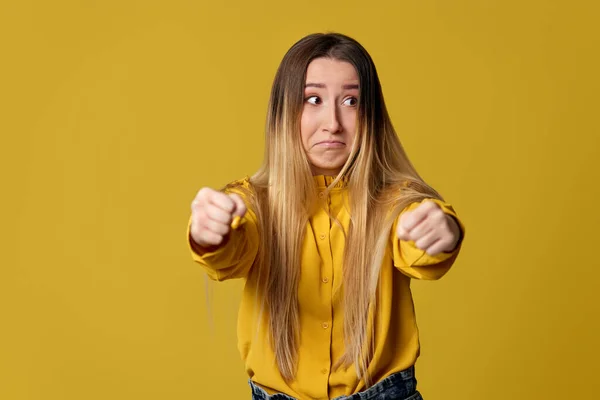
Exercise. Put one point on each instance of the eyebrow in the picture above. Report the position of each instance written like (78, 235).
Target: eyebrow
(323, 86)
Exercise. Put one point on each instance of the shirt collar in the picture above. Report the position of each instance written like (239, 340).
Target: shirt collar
(323, 181)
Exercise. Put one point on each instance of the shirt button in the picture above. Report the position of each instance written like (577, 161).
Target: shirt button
(321, 195)
(322, 236)
(324, 371)
(325, 280)
(325, 325)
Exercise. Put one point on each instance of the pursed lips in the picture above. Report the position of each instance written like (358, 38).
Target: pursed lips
(330, 143)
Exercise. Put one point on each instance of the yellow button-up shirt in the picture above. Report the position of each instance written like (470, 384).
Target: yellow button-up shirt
(321, 309)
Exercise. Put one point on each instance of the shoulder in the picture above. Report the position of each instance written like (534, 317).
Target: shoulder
(242, 187)
(243, 182)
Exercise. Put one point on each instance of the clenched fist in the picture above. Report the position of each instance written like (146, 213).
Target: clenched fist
(212, 213)
(430, 228)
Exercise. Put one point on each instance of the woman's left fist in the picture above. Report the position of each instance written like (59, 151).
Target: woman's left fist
(430, 228)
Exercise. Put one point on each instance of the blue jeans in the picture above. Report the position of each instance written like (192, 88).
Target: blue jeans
(399, 386)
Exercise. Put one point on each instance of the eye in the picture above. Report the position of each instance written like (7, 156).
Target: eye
(351, 101)
(314, 100)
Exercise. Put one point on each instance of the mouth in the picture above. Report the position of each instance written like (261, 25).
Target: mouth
(330, 144)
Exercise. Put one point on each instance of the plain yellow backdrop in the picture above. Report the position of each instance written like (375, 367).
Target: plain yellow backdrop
(114, 113)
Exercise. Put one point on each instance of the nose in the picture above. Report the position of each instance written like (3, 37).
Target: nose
(332, 123)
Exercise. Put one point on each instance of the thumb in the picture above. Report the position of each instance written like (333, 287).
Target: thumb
(240, 206)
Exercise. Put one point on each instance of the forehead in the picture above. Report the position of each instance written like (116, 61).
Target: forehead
(323, 70)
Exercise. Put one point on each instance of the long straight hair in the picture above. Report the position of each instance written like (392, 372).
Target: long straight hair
(381, 183)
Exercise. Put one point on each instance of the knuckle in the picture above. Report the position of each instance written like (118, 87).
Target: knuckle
(437, 213)
(207, 212)
(209, 225)
(218, 228)
(230, 202)
(200, 214)
(203, 192)
(222, 229)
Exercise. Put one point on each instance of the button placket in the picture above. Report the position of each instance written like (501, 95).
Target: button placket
(321, 237)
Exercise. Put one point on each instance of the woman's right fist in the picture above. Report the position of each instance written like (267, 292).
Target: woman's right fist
(212, 213)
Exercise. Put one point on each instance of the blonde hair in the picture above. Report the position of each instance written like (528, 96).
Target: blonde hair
(381, 183)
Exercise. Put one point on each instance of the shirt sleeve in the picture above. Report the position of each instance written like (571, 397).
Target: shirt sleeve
(416, 263)
(233, 258)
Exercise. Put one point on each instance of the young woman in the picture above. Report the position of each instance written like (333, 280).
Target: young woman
(327, 234)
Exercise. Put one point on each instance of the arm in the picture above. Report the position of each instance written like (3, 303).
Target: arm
(223, 249)
(232, 258)
(412, 254)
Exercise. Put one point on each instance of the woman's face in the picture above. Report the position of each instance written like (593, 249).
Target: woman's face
(329, 115)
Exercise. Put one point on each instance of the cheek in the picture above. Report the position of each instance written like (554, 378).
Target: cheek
(350, 124)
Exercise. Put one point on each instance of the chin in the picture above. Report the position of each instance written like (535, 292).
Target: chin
(332, 166)
(323, 169)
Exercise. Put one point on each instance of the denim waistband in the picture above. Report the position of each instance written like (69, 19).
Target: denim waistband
(400, 385)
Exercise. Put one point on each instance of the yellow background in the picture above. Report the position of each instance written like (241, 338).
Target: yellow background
(114, 113)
